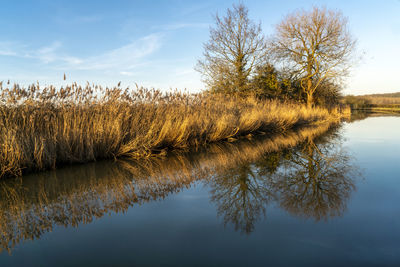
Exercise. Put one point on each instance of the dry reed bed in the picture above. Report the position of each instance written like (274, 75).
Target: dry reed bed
(42, 128)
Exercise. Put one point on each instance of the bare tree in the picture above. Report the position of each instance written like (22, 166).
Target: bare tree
(316, 45)
(236, 47)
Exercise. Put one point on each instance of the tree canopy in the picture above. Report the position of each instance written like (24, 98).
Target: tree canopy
(305, 60)
(235, 49)
(316, 47)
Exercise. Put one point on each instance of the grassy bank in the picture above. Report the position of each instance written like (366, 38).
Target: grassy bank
(42, 128)
(382, 109)
(376, 103)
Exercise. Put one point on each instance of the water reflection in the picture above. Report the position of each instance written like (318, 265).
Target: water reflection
(312, 180)
(306, 172)
(241, 194)
(315, 180)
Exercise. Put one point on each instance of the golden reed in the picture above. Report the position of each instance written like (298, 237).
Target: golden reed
(45, 127)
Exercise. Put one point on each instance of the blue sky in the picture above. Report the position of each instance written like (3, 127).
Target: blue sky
(157, 43)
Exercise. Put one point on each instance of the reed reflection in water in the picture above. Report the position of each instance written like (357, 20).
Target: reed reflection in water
(306, 172)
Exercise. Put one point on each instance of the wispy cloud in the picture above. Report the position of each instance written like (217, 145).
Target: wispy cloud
(51, 54)
(126, 73)
(7, 53)
(46, 54)
(127, 56)
(122, 58)
(8, 49)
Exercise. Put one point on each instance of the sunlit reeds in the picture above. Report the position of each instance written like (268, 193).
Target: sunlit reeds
(44, 127)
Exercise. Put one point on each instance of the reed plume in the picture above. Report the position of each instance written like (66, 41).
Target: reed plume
(45, 127)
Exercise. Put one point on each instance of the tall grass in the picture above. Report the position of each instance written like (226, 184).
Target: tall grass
(44, 127)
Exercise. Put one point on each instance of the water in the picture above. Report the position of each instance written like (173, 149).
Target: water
(330, 198)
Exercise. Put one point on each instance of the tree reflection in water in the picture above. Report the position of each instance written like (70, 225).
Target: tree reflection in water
(240, 195)
(307, 176)
(316, 181)
(312, 180)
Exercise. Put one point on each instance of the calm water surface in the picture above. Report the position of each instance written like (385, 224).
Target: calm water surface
(331, 199)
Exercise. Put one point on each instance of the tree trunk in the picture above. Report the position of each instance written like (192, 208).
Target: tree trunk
(310, 100)
(241, 78)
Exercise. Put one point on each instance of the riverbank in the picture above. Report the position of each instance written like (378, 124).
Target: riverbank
(376, 103)
(44, 128)
(380, 109)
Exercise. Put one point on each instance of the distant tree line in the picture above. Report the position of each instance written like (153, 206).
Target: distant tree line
(389, 100)
(305, 60)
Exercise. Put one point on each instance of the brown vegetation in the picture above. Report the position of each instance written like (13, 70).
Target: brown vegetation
(382, 103)
(235, 50)
(311, 52)
(316, 46)
(41, 128)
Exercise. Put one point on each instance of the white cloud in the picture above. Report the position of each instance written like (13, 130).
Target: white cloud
(7, 53)
(126, 73)
(8, 49)
(47, 54)
(123, 57)
(51, 54)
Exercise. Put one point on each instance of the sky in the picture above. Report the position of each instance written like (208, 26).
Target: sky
(157, 43)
